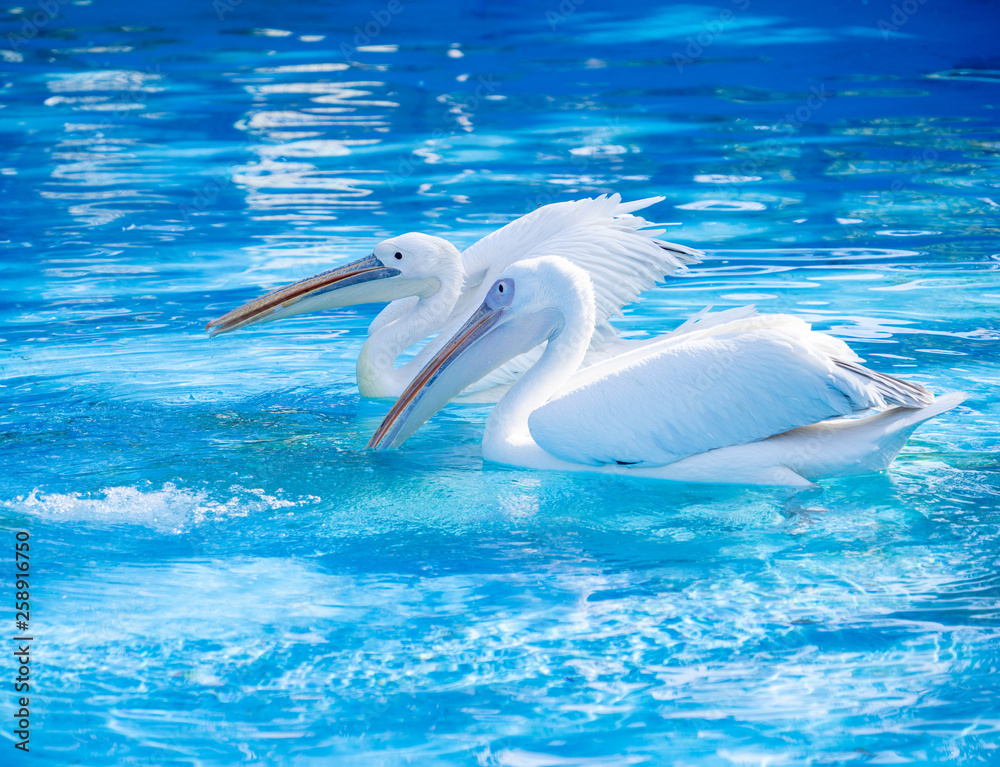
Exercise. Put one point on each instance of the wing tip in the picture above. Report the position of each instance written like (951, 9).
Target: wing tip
(629, 207)
(895, 391)
(685, 254)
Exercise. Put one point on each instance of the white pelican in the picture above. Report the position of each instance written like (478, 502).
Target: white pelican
(433, 287)
(733, 402)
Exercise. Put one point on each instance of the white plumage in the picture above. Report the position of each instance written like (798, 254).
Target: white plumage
(742, 401)
(707, 389)
(601, 236)
(432, 287)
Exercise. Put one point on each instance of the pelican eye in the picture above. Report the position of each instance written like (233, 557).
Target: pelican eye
(501, 294)
(398, 256)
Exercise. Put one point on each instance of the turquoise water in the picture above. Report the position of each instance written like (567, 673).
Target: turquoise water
(222, 574)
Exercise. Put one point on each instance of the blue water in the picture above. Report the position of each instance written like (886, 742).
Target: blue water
(222, 574)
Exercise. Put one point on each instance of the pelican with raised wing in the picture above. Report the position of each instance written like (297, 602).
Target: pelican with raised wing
(744, 401)
(433, 287)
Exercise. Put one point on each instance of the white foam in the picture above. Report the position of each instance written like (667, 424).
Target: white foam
(168, 510)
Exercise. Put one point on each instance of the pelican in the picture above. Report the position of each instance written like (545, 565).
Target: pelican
(433, 287)
(744, 401)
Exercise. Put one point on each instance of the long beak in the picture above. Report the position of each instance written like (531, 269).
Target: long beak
(488, 339)
(304, 296)
(404, 417)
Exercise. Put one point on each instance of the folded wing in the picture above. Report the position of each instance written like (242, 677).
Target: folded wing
(725, 385)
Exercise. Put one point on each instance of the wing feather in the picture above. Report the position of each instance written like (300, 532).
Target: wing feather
(724, 385)
(600, 235)
(618, 250)
(605, 345)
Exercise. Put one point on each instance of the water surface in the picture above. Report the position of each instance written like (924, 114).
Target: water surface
(223, 574)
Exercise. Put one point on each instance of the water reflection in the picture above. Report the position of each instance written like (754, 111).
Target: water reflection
(160, 176)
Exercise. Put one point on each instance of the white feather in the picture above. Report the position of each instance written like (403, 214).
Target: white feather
(433, 287)
(702, 390)
(600, 235)
(735, 397)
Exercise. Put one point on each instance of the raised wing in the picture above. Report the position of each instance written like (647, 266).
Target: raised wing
(618, 250)
(600, 235)
(725, 385)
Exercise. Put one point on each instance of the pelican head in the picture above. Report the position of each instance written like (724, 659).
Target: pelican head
(535, 300)
(412, 264)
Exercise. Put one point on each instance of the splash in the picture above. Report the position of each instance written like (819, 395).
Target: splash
(168, 510)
